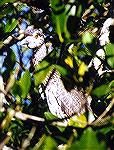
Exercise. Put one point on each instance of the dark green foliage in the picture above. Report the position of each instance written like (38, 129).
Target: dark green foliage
(75, 42)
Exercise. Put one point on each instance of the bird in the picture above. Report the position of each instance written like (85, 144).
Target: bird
(61, 102)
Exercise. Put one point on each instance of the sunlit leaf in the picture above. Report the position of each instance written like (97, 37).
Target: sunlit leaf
(78, 121)
(49, 116)
(50, 144)
(41, 66)
(10, 26)
(87, 37)
(82, 69)
(69, 61)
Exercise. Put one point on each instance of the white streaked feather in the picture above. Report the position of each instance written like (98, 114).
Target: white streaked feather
(62, 102)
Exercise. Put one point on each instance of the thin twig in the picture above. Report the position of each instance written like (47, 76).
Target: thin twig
(104, 113)
(107, 71)
(26, 142)
(6, 94)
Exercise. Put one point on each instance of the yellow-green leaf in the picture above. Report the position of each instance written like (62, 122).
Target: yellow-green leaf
(69, 61)
(78, 121)
(82, 69)
(87, 37)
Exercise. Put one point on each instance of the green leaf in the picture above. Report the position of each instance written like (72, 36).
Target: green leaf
(50, 116)
(59, 19)
(79, 11)
(41, 66)
(106, 130)
(109, 50)
(41, 71)
(50, 144)
(101, 90)
(78, 121)
(10, 26)
(61, 69)
(10, 60)
(111, 85)
(2, 2)
(6, 11)
(88, 141)
(25, 83)
(16, 90)
(87, 37)
(100, 1)
(46, 143)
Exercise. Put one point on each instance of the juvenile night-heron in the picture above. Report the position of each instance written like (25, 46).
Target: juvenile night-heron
(61, 102)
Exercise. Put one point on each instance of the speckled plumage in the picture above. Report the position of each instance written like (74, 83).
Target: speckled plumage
(61, 102)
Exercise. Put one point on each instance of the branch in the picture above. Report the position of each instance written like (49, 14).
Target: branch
(5, 140)
(26, 142)
(104, 113)
(24, 116)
